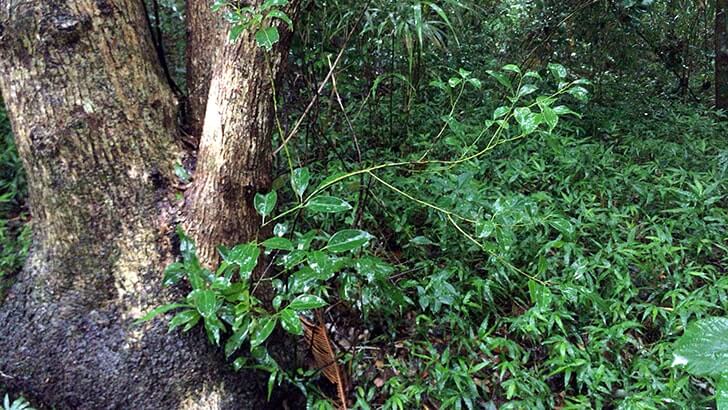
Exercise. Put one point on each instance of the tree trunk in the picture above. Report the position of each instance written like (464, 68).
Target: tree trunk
(234, 160)
(721, 54)
(205, 34)
(95, 124)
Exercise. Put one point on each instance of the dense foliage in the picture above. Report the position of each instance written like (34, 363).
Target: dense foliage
(475, 233)
(14, 233)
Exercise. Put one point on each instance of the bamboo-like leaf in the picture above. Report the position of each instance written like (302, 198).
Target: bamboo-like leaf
(418, 22)
(440, 12)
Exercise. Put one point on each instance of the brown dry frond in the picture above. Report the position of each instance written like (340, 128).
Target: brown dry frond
(323, 355)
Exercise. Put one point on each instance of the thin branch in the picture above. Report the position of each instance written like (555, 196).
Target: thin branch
(346, 116)
(323, 83)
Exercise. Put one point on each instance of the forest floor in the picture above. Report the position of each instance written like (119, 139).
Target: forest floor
(625, 216)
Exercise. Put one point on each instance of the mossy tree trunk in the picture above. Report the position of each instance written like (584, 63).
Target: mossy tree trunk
(721, 54)
(96, 126)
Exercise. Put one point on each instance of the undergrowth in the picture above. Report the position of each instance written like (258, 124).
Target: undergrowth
(14, 232)
(587, 251)
(627, 227)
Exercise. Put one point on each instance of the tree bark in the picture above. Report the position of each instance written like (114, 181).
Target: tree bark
(234, 160)
(95, 124)
(721, 54)
(205, 35)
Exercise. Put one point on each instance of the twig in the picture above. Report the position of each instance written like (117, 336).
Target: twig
(323, 83)
(346, 116)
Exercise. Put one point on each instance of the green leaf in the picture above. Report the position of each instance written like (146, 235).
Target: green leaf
(213, 328)
(181, 173)
(320, 263)
(280, 16)
(280, 229)
(374, 269)
(544, 101)
(265, 204)
(327, 204)
(262, 329)
(435, 83)
(278, 243)
(550, 117)
(721, 392)
(526, 89)
(580, 93)
(512, 68)
(18, 404)
(300, 179)
(557, 70)
(277, 300)
(562, 225)
(160, 310)
(306, 302)
(564, 110)
(267, 37)
(273, 3)
(500, 112)
(186, 246)
(532, 74)
(240, 362)
(218, 4)
(188, 317)
(417, 7)
(540, 295)
(294, 258)
(173, 273)
(235, 32)
(501, 78)
(526, 119)
(304, 280)
(421, 241)
(244, 255)
(195, 277)
(347, 240)
(290, 322)
(205, 301)
(703, 349)
(484, 228)
(238, 337)
(272, 381)
(440, 12)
